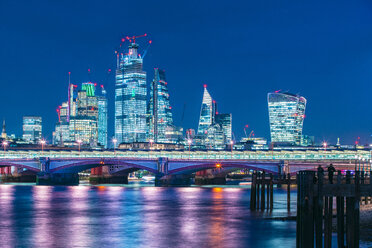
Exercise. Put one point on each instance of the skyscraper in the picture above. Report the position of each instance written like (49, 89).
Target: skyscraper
(286, 114)
(102, 118)
(225, 120)
(130, 98)
(32, 128)
(206, 113)
(3, 133)
(160, 111)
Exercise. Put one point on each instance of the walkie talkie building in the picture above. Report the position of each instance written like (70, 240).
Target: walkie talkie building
(286, 114)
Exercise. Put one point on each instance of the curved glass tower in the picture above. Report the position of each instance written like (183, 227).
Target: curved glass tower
(286, 114)
(130, 98)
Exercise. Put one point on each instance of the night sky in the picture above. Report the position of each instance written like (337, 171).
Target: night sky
(241, 49)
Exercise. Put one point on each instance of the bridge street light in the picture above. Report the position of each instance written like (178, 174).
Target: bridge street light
(189, 141)
(79, 141)
(232, 145)
(114, 140)
(151, 142)
(42, 142)
(5, 144)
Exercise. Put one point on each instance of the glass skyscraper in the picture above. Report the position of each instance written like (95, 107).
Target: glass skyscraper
(32, 127)
(206, 113)
(225, 120)
(160, 111)
(286, 114)
(102, 118)
(130, 98)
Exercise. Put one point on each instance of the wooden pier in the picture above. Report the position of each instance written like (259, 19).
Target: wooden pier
(315, 198)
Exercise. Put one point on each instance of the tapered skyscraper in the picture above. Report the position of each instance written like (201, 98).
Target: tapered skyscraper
(130, 98)
(286, 114)
(207, 112)
(160, 111)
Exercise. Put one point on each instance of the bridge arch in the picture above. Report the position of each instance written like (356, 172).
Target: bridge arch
(194, 167)
(125, 166)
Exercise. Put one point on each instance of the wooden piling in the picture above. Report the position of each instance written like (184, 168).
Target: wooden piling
(289, 192)
(258, 191)
(253, 191)
(263, 191)
(271, 192)
(268, 193)
(340, 216)
(319, 210)
(305, 214)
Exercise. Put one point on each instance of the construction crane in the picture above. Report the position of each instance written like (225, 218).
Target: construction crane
(133, 38)
(147, 48)
(245, 132)
(251, 134)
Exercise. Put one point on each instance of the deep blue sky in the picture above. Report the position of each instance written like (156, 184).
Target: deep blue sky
(241, 49)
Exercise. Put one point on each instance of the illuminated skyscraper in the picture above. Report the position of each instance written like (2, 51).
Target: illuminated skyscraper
(207, 113)
(102, 118)
(225, 120)
(286, 114)
(160, 111)
(130, 98)
(32, 127)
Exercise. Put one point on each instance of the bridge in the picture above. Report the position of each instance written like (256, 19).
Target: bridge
(62, 166)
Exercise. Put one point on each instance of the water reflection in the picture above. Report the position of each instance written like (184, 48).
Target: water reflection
(106, 216)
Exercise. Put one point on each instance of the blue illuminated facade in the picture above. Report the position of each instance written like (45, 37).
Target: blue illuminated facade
(130, 98)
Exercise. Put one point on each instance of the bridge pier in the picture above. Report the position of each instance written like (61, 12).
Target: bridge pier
(208, 177)
(57, 179)
(101, 175)
(172, 180)
(17, 176)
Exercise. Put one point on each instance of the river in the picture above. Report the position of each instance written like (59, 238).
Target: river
(138, 215)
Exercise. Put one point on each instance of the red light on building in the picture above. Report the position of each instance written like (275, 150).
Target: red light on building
(205, 86)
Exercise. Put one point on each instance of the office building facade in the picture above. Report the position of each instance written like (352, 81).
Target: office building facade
(32, 129)
(160, 111)
(286, 115)
(130, 98)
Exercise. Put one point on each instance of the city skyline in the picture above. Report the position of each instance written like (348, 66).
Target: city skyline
(331, 74)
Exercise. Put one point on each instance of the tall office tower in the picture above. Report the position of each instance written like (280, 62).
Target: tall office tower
(32, 128)
(225, 120)
(207, 113)
(130, 98)
(286, 114)
(62, 133)
(160, 111)
(102, 118)
(3, 133)
(83, 126)
(84, 129)
(215, 137)
(87, 102)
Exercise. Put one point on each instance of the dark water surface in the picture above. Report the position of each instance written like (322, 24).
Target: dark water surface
(134, 216)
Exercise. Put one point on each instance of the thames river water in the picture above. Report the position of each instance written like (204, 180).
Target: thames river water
(138, 216)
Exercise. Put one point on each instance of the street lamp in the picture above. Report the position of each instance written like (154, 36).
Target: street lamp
(325, 146)
(114, 140)
(232, 146)
(189, 141)
(42, 142)
(79, 141)
(151, 141)
(5, 144)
